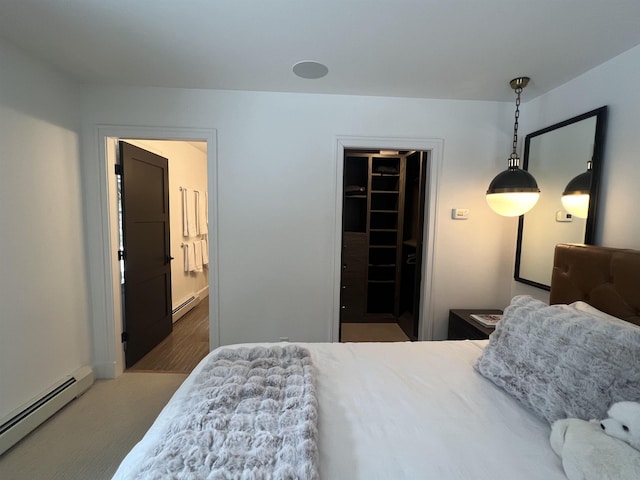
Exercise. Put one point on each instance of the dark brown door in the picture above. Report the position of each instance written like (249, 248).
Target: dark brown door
(147, 260)
(415, 191)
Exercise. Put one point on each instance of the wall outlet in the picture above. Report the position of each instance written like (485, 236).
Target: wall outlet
(284, 339)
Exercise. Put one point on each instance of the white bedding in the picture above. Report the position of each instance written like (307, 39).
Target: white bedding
(410, 411)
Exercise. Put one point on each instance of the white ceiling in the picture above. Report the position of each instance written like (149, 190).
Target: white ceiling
(462, 49)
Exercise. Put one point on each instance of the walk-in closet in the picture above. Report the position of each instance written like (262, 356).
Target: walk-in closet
(383, 204)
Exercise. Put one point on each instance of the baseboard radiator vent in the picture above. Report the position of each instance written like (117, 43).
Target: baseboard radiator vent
(184, 307)
(25, 419)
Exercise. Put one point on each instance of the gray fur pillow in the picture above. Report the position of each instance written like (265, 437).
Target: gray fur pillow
(561, 361)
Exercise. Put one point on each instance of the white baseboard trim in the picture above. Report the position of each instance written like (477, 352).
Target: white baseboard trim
(203, 293)
(106, 371)
(197, 298)
(29, 416)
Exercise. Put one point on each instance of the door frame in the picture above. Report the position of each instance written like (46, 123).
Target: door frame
(434, 149)
(107, 327)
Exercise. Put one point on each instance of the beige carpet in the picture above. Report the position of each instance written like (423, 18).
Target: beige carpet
(88, 438)
(372, 332)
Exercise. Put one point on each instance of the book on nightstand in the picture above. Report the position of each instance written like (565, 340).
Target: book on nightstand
(486, 319)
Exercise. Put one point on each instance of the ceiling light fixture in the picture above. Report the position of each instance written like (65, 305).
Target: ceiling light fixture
(575, 197)
(514, 191)
(310, 69)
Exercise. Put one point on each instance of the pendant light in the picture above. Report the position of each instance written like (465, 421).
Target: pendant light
(575, 197)
(514, 191)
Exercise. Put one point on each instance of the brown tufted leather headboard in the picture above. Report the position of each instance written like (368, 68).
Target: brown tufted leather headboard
(605, 278)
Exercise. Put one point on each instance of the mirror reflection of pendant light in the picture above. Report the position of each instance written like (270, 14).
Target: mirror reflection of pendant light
(575, 197)
(514, 191)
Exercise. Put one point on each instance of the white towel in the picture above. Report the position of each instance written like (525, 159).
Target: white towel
(205, 251)
(202, 213)
(197, 246)
(196, 205)
(185, 209)
(189, 226)
(189, 257)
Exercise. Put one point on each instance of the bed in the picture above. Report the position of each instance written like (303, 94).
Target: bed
(446, 410)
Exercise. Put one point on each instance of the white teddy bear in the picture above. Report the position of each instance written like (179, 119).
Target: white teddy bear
(588, 453)
(624, 423)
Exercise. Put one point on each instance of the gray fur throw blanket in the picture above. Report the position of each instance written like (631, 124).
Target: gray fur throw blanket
(250, 415)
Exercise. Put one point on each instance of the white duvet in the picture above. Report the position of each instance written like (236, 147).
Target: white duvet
(411, 411)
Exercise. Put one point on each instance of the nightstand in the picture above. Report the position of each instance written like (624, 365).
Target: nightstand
(463, 327)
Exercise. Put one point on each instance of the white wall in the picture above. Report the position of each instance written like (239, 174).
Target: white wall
(614, 83)
(187, 168)
(44, 325)
(277, 191)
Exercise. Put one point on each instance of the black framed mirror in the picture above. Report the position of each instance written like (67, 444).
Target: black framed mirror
(555, 155)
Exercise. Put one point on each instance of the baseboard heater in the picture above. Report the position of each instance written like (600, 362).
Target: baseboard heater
(183, 308)
(24, 420)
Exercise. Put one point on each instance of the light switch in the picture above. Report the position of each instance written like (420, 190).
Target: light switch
(460, 213)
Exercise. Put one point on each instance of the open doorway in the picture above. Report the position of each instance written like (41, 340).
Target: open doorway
(382, 239)
(431, 152)
(162, 188)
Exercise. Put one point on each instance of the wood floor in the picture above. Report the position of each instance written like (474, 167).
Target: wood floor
(372, 332)
(181, 351)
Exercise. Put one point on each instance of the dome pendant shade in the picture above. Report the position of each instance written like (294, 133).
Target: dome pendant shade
(513, 179)
(575, 197)
(513, 192)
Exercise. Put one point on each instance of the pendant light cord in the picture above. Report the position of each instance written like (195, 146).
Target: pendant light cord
(514, 160)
